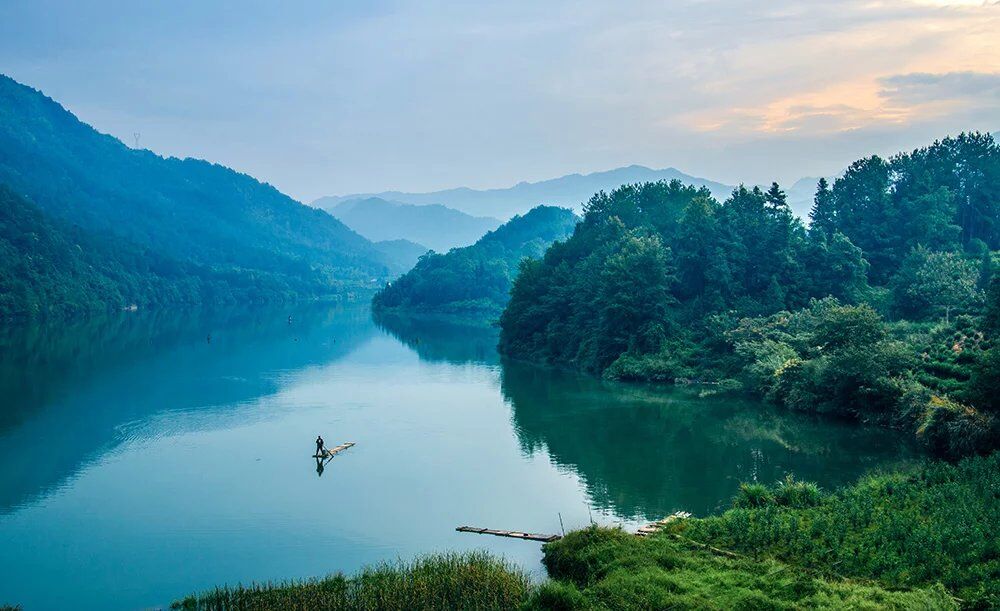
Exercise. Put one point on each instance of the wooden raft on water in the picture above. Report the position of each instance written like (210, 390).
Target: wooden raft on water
(508, 533)
(330, 452)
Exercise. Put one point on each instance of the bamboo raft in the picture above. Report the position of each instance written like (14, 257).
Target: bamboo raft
(655, 526)
(331, 452)
(509, 533)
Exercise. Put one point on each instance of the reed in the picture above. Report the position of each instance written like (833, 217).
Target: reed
(474, 580)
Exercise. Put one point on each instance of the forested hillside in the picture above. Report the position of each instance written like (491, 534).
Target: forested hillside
(48, 266)
(186, 211)
(477, 279)
(878, 311)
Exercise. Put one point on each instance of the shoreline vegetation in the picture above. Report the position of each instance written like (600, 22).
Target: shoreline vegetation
(919, 538)
(885, 309)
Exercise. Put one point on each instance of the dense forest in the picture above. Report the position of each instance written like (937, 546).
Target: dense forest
(477, 279)
(187, 218)
(884, 309)
(49, 266)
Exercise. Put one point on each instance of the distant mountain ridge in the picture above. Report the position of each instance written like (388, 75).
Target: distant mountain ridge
(252, 240)
(571, 191)
(433, 225)
(403, 253)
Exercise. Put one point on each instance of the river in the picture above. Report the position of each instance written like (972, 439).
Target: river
(148, 455)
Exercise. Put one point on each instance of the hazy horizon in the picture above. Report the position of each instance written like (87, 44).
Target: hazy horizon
(322, 100)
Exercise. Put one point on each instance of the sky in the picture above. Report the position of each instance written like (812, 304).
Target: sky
(323, 98)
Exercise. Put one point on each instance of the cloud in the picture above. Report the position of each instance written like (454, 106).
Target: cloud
(918, 88)
(421, 95)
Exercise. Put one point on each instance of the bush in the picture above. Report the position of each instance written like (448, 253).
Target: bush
(954, 430)
(791, 493)
(753, 495)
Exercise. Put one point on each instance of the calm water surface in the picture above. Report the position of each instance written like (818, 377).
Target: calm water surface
(149, 455)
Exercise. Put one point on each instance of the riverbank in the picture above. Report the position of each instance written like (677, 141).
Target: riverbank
(919, 538)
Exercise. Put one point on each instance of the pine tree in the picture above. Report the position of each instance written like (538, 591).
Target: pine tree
(776, 198)
(821, 217)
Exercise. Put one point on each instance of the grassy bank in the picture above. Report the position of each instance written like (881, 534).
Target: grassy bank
(933, 525)
(449, 581)
(921, 539)
(601, 568)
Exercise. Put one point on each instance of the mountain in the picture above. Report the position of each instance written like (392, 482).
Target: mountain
(801, 194)
(476, 279)
(187, 213)
(570, 191)
(439, 227)
(401, 253)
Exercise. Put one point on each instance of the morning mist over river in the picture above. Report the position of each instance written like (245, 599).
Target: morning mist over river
(140, 459)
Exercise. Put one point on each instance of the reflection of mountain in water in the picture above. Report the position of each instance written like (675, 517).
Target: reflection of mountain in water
(74, 392)
(644, 451)
(442, 339)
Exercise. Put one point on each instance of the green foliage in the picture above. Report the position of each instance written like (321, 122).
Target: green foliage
(936, 283)
(787, 493)
(661, 282)
(599, 568)
(753, 495)
(827, 357)
(50, 268)
(477, 278)
(910, 529)
(792, 493)
(986, 381)
(647, 257)
(448, 581)
(939, 197)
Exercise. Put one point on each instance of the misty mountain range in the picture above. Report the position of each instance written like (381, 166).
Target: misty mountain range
(571, 191)
(433, 226)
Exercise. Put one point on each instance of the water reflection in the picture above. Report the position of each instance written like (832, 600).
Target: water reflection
(644, 451)
(437, 339)
(76, 391)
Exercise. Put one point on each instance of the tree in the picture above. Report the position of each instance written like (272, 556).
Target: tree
(634, 295)
(776, 198)
(822, 220)
(985, 272)
(941, 281)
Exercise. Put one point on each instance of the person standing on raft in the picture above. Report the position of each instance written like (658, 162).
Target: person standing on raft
(319, 445)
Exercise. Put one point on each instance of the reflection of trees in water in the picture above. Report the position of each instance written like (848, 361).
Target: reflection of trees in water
(646, 451)
(441, 339)
(76, 388)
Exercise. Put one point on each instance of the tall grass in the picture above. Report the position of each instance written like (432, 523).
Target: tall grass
(934, 524)
(601, 568)
(474, 580)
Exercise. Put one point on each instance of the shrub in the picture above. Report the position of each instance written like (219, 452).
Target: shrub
(791, 493)
(753, 495)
